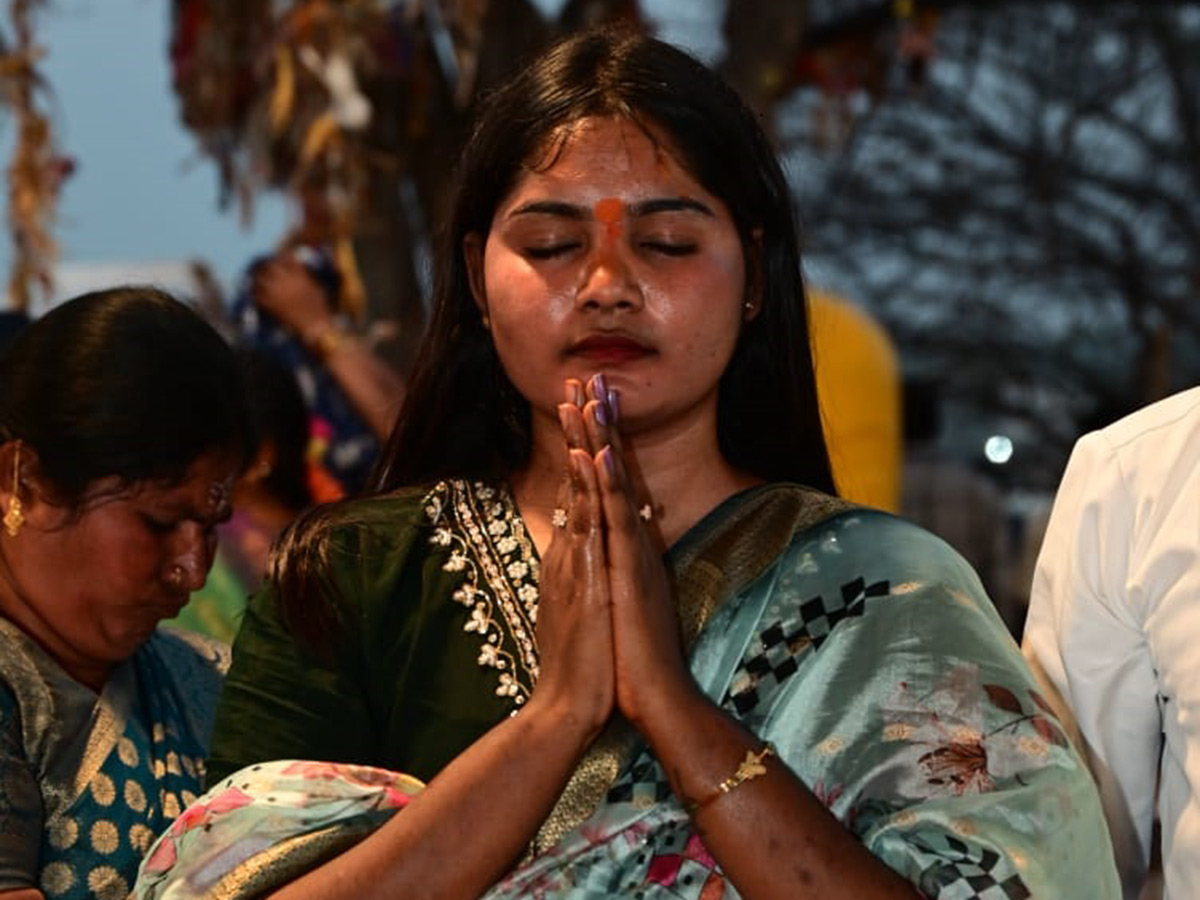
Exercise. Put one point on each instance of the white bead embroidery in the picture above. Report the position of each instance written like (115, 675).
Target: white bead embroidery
(488, 539)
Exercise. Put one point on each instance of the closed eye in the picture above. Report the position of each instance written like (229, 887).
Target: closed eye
(670, 249)
(551, 251)
(158, 526)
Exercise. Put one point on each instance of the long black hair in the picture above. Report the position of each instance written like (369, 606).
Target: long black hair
(127, 383)
(462, 417)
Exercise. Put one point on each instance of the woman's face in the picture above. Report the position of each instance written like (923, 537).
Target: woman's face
(613, 259)
(91, 585)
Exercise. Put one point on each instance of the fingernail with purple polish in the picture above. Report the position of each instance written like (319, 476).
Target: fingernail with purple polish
(600, 413)
(614, 407)
(599, 386)
(607, 455)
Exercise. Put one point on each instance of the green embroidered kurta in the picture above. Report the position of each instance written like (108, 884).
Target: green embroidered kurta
(430, 652)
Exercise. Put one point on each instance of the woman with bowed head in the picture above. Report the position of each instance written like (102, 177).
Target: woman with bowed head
(121, 430)
(603, 600)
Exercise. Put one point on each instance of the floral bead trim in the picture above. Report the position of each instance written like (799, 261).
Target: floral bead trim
(489, 545)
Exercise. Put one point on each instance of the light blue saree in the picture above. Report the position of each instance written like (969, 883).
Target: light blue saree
(862, 647)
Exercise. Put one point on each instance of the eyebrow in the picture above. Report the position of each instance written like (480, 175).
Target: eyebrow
(642, 208)
(185, 510)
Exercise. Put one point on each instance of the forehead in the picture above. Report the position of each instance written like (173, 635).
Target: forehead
(594, 158)
(208, 481)
(203, 491)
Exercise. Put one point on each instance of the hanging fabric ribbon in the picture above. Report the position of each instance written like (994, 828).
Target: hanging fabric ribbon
(37, 170)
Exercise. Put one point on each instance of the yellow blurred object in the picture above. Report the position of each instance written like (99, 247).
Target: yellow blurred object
(321, 134)
(283, 95)
(859, 388)
(353, 291)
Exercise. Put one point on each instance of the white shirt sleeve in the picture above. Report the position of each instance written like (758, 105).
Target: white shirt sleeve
(1087, 635)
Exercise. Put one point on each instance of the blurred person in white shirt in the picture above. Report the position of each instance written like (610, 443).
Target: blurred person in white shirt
(1113, 624)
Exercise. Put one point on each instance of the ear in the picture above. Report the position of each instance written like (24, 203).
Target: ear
(473, 246)
(753, 300)
(263, 462)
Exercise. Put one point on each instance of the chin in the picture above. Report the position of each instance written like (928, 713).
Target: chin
(133, 635)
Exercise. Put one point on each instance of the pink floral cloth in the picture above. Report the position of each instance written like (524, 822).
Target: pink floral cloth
(261, 808)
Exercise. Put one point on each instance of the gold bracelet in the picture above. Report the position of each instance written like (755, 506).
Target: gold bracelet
(748, 769)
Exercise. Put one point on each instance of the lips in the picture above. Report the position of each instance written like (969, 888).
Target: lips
(609, 349)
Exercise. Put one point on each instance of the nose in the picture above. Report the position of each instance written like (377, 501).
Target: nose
(608, 281)
(191, 557)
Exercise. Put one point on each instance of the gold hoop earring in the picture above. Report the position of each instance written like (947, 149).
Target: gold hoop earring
(14, 516)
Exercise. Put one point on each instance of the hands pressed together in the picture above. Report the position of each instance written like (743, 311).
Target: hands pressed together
(607, 626)
(609, 638)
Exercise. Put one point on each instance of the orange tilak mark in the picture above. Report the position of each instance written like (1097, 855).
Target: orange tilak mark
(609, 212)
